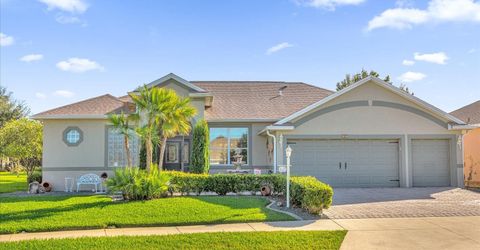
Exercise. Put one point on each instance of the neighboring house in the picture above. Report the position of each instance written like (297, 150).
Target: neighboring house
(370, 134)
(471, 142)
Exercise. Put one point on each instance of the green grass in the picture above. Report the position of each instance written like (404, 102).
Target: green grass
(53, 213)
(11, 182)
(246, 240)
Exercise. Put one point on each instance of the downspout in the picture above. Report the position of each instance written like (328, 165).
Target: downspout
(274, 151)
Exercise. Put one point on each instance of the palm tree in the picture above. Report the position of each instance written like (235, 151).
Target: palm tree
(144, 101)
(173, 115)
(121, 123)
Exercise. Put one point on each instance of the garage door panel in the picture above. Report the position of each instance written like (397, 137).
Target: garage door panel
(430, 162)
(369, 163)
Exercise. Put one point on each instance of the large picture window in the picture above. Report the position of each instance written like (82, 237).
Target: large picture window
(116, 149)
(226, 144)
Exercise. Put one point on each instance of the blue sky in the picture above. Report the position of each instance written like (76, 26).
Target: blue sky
(55, 52)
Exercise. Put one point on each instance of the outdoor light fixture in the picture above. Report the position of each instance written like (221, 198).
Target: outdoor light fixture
(288, 153)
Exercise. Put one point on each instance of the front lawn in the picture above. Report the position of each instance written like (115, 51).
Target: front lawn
(11, 182)
(50, 213)
(244, 240)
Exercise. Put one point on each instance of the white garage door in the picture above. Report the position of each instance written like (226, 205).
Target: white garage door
(430, 161)
(347, 163)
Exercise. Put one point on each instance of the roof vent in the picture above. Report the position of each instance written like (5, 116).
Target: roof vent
(280, 90)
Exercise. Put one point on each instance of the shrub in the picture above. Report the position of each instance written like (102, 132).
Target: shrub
(137, 184)
(310, 194)
(200, 148)
(35, 176)
(186, 183)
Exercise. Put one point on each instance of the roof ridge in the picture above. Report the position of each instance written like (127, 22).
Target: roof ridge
(277, 82)
(81, 101)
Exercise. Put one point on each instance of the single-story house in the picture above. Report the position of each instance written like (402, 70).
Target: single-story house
(471, 143)
(370, 134)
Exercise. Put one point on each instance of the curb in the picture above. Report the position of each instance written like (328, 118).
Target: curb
(283, 212)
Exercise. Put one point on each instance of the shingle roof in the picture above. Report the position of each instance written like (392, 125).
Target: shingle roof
(100, 105)
(234, 100)
(469, 114)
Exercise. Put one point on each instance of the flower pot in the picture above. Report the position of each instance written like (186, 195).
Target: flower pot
(47, 186)
(265, 190)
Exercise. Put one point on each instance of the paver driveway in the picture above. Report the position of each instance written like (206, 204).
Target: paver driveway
(352, 203)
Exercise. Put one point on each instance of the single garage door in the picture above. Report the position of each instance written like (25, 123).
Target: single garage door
(347, 163)
(430, 163)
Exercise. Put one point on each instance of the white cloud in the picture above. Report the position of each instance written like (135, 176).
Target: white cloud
(79, 65)
(408, 62)
(31, 58)
(278, 47)
(438, 58)
(64, 93)
(67, 19)
(471, 51)
(40, 95)
(72, 6)
(328, 4)
(437, 11)
(398, 18)
(411, 76)
(6, 40)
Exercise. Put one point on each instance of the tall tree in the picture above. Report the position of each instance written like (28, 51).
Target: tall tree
(22, 140)
(349, 79)
(10, 109)
(121, 123)
(200, 148)
(173, 115)
(144, 101)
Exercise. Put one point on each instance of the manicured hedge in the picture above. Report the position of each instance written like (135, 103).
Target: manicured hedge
(186, 183)
(306, 191)
(310, 194)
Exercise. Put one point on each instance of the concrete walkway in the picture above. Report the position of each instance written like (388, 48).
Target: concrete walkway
(379, 233)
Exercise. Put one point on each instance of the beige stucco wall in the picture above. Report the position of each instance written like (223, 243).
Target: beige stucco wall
(89, 153)
(259, 146)
(59, 160)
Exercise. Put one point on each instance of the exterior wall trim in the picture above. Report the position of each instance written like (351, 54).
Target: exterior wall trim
(46, 169)
(365, 103)
(411, 110)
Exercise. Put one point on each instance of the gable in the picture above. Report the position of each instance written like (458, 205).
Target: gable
(372, 91)
(179, 88)
(370, 109)
(178, 80)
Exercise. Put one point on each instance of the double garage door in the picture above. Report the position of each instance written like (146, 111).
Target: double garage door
(369, 163)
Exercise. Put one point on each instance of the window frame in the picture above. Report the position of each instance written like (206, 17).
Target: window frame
(65, 133)
(228, 128)
(132, 149)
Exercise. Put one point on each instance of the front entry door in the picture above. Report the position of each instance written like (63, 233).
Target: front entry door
(177, 155)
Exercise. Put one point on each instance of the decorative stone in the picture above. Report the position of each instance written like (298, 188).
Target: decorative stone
(33, 188)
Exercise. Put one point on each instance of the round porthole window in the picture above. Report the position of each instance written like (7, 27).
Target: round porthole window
(72, 136)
